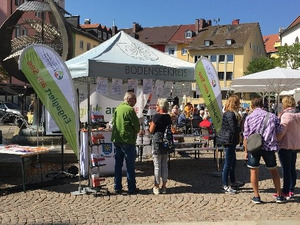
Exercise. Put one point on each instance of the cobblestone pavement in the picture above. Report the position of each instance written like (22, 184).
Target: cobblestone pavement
(194, 196)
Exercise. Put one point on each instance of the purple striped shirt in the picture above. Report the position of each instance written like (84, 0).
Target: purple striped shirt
(254, 123)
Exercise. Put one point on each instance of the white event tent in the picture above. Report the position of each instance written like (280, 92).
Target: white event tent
(122, 56)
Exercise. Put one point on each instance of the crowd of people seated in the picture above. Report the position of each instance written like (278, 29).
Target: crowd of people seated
(187, 119)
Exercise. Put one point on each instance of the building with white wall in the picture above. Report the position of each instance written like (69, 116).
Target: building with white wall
(291, 34)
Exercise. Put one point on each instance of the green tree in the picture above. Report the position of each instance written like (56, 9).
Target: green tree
(260, 64)
(289, 56)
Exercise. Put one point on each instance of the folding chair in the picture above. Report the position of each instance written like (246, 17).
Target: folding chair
(206, 136)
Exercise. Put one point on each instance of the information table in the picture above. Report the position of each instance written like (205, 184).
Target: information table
(23, 151)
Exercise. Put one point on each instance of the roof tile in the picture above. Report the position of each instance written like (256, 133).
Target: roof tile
(218, 34)
(294, 23)
(179, 36)
(270, 41)
(155, 35)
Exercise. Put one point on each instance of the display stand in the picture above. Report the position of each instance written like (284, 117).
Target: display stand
(95, 161)
(96, 180)
(94, 186)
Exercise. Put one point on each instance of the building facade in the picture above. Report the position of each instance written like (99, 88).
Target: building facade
(84, 37)
(291, 34)
(180, 41)
(230, 48)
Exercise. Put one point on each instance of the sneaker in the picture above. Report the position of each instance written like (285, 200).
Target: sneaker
(136, 191)
(256, 200)
(163, 190)
(237, 184)
(118, 192)
(229, 190)
(155, 190)
(280, 199)
(291, 194)
(286, 196)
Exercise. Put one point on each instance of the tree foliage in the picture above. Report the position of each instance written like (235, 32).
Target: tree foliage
(289, 56)
(260, 64)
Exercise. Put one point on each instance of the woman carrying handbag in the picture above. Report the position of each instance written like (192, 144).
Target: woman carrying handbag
(229, 137)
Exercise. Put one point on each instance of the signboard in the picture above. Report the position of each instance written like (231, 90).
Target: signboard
(209, 86)
(52, 82)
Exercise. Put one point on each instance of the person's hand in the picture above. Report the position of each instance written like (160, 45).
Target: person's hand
(246, 155)
(141, 133)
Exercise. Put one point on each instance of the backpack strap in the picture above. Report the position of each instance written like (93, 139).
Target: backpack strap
(265, 122)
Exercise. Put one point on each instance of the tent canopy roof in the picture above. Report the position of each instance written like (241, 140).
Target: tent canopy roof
(122, 56)
(275, 80)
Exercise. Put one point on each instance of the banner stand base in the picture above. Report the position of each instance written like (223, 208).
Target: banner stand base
(88, 190)
(79, 192)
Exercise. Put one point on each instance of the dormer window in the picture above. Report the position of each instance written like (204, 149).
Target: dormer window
(188, 34)
(228, 42)
(171, 51)
(207, 43)
(100, 34)
(104, 36)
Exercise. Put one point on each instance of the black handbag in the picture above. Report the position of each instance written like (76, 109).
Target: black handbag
(224, 137)
(163, 142)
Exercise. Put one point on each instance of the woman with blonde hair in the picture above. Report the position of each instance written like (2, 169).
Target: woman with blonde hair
(231, 125)
(160, 121)
(289, 143)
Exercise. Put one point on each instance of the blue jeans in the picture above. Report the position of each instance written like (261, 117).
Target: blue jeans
(288, 165)
(127, 151)
(229, 165)
(268, 156)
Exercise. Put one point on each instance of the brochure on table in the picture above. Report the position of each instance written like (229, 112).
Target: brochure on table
(22, 150)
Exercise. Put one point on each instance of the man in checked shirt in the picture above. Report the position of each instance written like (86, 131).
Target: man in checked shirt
(254, 124)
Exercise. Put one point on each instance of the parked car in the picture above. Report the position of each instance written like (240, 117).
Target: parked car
(9, 112)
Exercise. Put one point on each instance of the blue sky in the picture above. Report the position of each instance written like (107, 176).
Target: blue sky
(270, 14)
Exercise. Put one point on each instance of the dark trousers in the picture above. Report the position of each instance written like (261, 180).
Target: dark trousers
(288, 164)
(229, 165)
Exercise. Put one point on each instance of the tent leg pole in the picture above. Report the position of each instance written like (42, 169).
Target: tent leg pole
(80, 191)
(89, 128)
